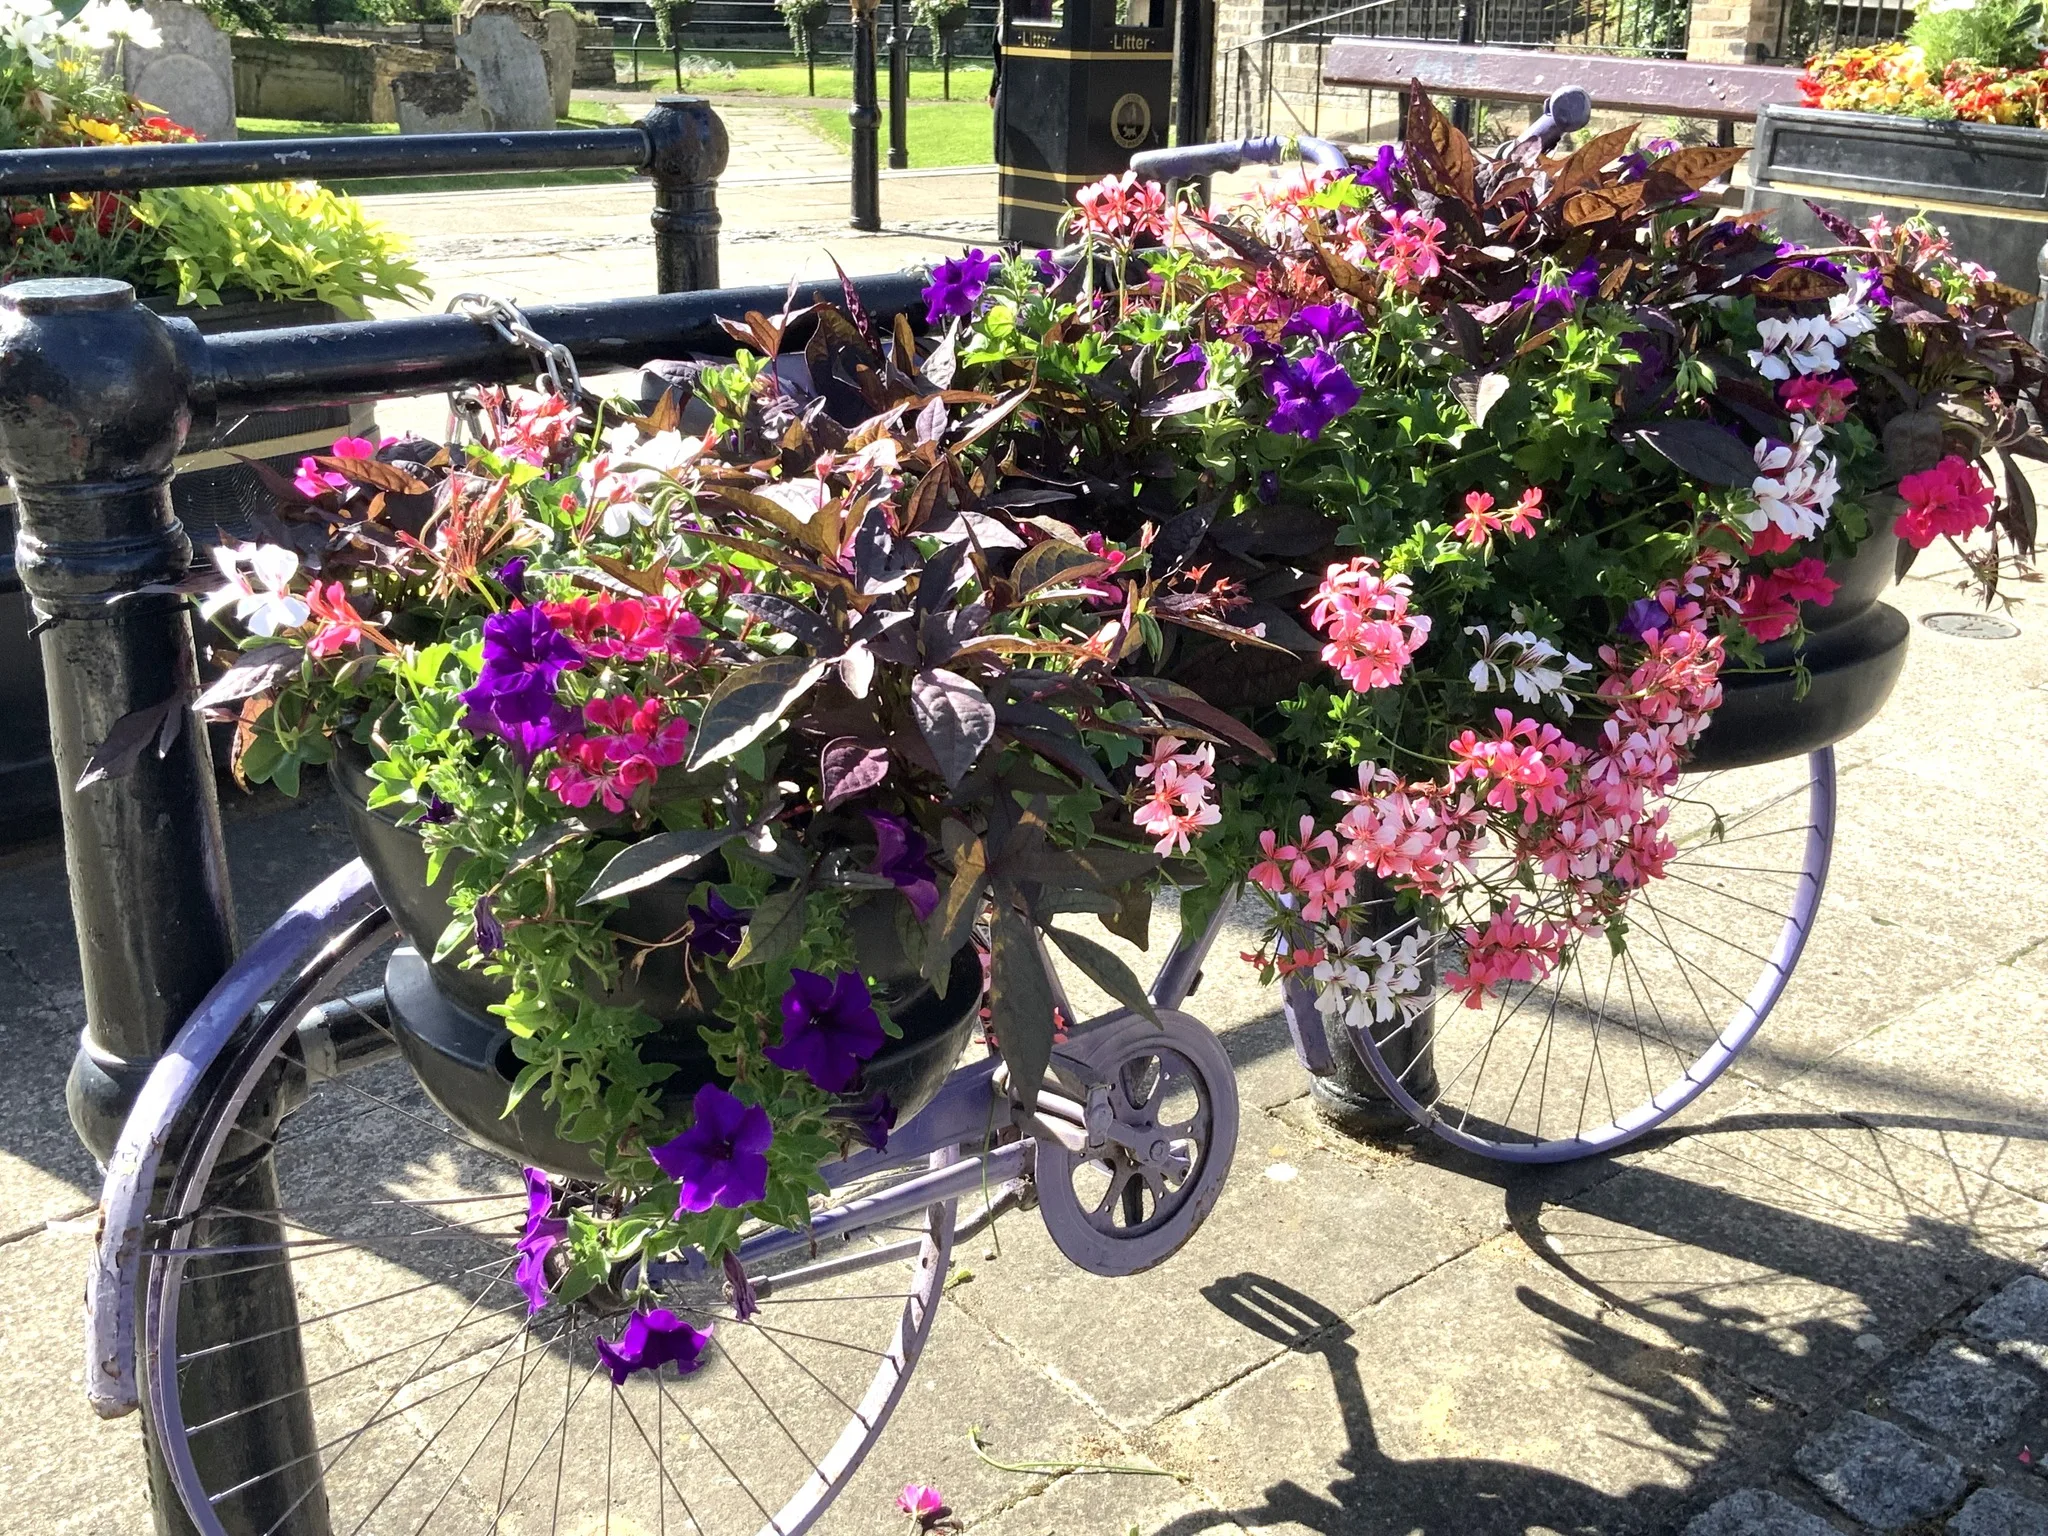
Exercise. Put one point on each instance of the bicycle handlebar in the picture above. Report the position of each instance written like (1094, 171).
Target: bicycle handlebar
(1190, 160)
(1566, 111)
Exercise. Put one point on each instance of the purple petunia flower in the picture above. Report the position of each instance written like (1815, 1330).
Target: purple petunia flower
(1325, 322)
(512, 576)
(1642, 615)
(744, 1304)
(542, 1234)
(1578, 284)
(955, 285)
(438, 812)
(1048, 269)
(649, 1341)
(716, 927)
(904, 857)
(490, 933)
(829, 1028)
(721, 1159)
(1381, 173)
(1308, 394)
(870, 1121)
(1194, 354)
(514, 694)
(1268, 486)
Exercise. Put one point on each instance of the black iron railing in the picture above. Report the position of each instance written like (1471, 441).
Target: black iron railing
(1808, 27)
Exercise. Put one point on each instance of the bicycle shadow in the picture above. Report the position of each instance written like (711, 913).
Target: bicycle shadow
(1719, 1296)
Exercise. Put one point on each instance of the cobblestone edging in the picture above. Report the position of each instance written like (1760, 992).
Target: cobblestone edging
(1961, 1449)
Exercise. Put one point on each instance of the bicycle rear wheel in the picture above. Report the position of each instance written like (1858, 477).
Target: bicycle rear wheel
(333, 1341)
(1616, 1041)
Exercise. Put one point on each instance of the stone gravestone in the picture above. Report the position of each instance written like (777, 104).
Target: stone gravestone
(511, 72)
(438, 101)
(560, 50)
(191, 78)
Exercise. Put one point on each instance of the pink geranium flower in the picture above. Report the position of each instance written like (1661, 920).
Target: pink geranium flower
(1948, 501)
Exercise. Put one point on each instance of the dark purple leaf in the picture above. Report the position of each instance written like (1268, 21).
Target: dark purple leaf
(849, 766)
(955, 718)
(117, 756)
(790, 618)
(1182, 535)
(655, 859)
(1837, 226)
(746, 706)
(1710, 454)
(254, 672)
(931, 421)
(1020, 1002)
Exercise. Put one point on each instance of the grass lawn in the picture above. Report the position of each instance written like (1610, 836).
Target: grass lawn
(938, 133)
(582, 114)
(753, 76)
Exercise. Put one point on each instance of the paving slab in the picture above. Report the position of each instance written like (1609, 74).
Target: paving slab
(1875, 1472)
(1142, 1346)
(1797, 1251)
(2015, 1321)
(1957, 1392)
(1494, 1398)
(1112, 1506)
(1997, 1512)
(1757, 1512)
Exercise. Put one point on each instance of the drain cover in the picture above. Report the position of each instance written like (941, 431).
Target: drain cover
(1972, 626)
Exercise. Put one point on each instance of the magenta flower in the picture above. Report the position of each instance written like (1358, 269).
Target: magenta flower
(720, 1159)
(1309, 394)
(902, 854)
(923, 1503)
(829, 1028)
(543, 1232)
(956, 285)
(649, 1341)
(514, 694)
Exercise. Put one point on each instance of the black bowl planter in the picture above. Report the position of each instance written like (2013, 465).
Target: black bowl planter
(1985, 183)
(1855, 650)
(215, 495)
(462, 1053)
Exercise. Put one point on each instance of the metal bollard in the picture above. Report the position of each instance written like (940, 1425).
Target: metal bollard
(95, 400)
(866, 119)
(898, 47)
(689, 155)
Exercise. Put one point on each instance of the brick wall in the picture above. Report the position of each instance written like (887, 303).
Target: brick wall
(1733, 31)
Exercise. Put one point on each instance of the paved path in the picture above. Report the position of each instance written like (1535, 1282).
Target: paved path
(1807, 1312)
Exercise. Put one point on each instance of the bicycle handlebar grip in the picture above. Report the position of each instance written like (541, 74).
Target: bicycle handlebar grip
(1190, 160)
(1567, 111)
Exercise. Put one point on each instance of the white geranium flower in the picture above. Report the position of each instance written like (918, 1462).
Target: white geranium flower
(261, 595)
(32, 27)
(1796, 487)
(103, 23)
(1525, 662)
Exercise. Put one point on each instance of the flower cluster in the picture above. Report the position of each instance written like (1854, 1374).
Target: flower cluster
(1365, 616)
(1948, 501)
(1122, 207)
(1177, 805)
(1894, 78)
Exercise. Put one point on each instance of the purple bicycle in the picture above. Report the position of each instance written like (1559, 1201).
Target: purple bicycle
(428, 1397)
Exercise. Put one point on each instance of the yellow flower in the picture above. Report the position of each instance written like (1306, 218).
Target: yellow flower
(97, 130)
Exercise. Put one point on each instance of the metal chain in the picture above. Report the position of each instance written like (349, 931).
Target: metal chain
(558, 374)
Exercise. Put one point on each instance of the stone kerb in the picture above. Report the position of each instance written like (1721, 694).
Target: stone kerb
(191, 78)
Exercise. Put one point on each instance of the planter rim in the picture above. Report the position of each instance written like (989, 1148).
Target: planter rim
(2034, 140)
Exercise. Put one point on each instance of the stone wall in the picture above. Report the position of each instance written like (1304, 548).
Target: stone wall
(322, 79)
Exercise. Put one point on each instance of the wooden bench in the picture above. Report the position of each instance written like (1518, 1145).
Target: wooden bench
(1727, 93)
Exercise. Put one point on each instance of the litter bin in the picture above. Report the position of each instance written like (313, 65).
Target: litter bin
(1086, 85)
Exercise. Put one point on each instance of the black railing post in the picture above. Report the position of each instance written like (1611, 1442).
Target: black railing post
(689, 151)
(899, 88)
(866, 119)
(95, 400)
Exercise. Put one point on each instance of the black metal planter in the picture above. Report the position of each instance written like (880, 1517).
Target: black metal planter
(462, 1053)
(1985, 183)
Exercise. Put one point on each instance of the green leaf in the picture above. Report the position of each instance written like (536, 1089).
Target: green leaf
(1020, 1004)
(556, 834)
(1103, 967)
(747, 705)
(775, 927)
(657, 858)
